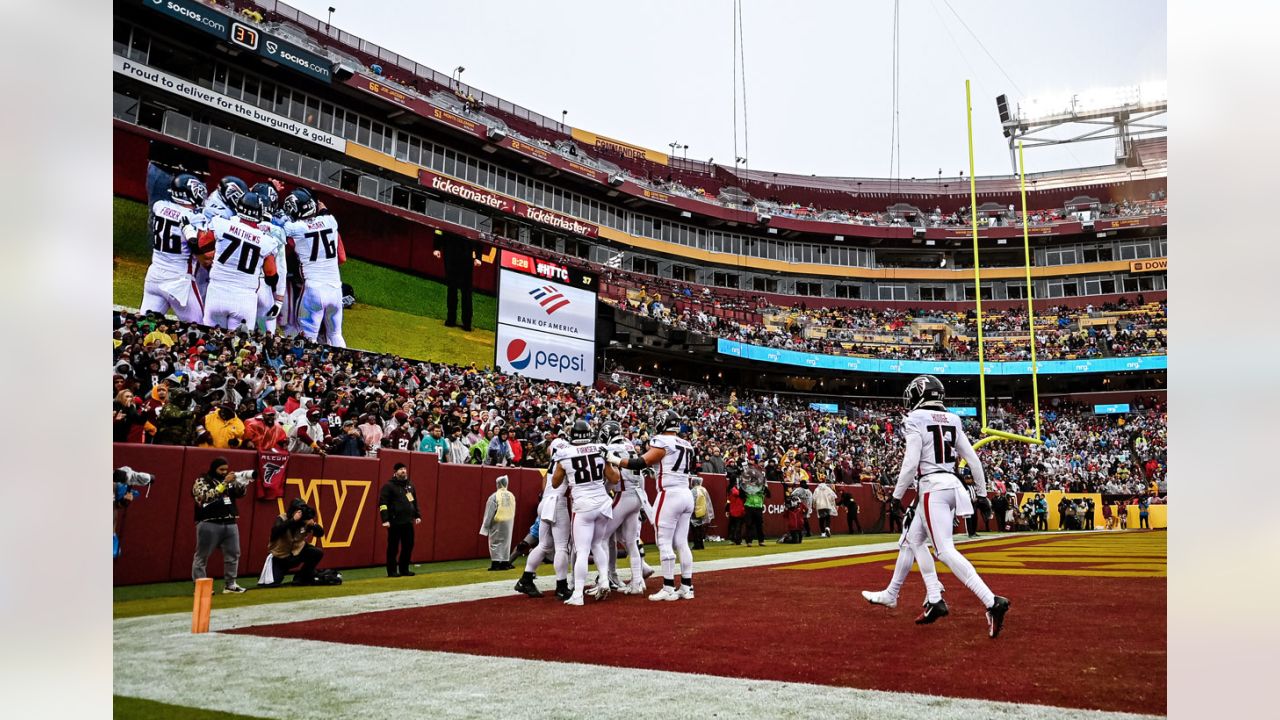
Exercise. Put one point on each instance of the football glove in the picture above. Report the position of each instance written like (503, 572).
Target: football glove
(275, 309)
(614, 458)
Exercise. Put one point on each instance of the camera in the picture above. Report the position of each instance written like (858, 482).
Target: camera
(126, 475)
(241, 478)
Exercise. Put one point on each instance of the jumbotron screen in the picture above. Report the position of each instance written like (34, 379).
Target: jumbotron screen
(546, 320)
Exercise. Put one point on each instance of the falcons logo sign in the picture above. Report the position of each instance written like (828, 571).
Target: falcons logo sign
(271, 474)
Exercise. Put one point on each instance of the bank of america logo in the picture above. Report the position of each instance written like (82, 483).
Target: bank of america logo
(549, 298)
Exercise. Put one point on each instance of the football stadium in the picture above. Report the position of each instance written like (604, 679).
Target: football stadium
(428, 404)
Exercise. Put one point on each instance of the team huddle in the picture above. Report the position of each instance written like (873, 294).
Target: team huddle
(245, 258)
(602, 474)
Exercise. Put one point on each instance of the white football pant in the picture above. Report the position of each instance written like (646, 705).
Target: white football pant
(321, 309)
(589, 538)
(156, 299)
(624, 528)
(230, 308)
(671, 512)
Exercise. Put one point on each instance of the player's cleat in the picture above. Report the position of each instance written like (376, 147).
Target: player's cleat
(685, 593)
(574, 600)
(600, 591)
(932, 612)
(880, 597)
(667, 593)
(564, 593)
(234, 589)
(528, 588)
(636, 588)
(995, 616)
(646, 570)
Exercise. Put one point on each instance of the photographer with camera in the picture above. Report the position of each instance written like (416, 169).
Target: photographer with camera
(215, 494)
(290, 547)
(123, 481)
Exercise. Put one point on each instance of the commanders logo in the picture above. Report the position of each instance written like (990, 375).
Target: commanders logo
(339, 506)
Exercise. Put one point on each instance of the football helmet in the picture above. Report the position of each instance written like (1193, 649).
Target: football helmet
(667, 421)
(299, 204)
(188, 189)
(270, 198)
(232, 188)
(250, 207)
(923, 389)
(581, 433)
(610, 431)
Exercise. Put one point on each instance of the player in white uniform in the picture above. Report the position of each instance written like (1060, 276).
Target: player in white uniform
(624, 527)
(170, 283)
(314, 236)
(266, 294)
(553, 533)
(220, 203)
(674, 457)
(241, 251)
(582, 467)
(935, 439)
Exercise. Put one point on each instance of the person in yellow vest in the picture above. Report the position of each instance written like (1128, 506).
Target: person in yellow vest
(499, 516)
(703, 514)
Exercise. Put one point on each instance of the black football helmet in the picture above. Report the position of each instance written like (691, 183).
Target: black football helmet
(923, 389)
(299, 204)
(188, 189)
(250, 207)
(270, 198)
(667, 421)
(232, 188)
(611, 430)
(581, 433)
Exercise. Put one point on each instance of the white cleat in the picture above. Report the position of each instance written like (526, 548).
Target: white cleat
(574, 599)
(880, 598)
(684, 593)
(634, 589)
(667, 593)
(600, 591)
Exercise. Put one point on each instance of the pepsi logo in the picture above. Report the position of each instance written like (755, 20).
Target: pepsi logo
(518, 354)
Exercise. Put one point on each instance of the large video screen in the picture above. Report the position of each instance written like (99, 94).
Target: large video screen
(546, 320)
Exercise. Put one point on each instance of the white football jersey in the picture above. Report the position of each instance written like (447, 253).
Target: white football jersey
(316, 242)
(939, 433)
(216, 207)
(170, 255)
(677, 464)
(238, 253)
(630, 478)
(583, 467)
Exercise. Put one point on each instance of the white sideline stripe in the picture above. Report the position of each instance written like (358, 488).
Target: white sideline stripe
(291, 678)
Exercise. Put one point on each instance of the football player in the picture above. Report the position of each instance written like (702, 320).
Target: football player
(313, 232)
(624, 527)
(219, 203)
(267, 294)
(553, 532)
(170, 283)
(935, 440)
(674, 458)
(241, 252)
(582, 467)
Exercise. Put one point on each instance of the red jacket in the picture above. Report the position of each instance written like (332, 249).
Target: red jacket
(264, 438)
(736, 508)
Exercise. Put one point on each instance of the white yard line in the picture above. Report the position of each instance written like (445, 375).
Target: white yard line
(157, 658)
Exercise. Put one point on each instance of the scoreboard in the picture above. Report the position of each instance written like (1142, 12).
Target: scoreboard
(546, 320)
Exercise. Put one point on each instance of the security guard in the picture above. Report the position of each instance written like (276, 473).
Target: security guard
(398, 505)
(499, 516)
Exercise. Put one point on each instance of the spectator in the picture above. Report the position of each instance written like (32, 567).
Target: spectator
(398, 507)
(290, 547)
(434, 442)
(128, 419)
(755, 490)
(499, 516)
(850, 506)
(216, 516)
(308, 436)
(349, 442)
(175, 422)
(737, 514)
(262, 433)
(223, 428)
(824, 499)
(458, 450)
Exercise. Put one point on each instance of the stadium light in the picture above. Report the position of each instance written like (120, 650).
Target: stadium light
(562, 114)
(332, 9)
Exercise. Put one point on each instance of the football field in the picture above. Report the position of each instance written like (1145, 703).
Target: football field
(778, 635)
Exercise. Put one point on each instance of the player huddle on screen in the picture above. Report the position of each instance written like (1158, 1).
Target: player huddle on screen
(223, 259)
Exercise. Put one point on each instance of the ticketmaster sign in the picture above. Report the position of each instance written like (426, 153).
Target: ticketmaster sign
(919, 367)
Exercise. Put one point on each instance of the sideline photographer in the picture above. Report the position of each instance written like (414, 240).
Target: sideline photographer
(123, 481)
(215, 494)
(290, 547)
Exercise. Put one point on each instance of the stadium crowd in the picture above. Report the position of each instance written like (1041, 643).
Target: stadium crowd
(186, 384)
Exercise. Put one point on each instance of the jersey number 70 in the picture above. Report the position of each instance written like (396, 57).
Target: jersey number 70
(249, 254)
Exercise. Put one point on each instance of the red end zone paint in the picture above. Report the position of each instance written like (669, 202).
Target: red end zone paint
(1095, 643)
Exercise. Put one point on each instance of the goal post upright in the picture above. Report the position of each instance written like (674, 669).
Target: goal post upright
(1031, 310)
(977, 272)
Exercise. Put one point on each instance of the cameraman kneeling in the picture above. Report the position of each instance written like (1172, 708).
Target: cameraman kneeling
(290, 547)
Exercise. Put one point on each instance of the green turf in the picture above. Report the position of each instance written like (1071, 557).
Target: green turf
(127, 708)
(159, 598)
(397, 313)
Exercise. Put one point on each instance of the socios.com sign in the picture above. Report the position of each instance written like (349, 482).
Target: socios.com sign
(544, 356)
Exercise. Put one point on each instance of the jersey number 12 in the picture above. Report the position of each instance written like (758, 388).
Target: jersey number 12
(944, 443)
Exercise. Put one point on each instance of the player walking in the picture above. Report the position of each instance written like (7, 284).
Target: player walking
(553, 533)
(241, 251)
(314, 236)
(582, 466)
(935, 437)
(674, 457)
(170, 283)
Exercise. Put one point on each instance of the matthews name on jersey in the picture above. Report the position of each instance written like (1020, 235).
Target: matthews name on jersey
(677, 461)
(583, 467)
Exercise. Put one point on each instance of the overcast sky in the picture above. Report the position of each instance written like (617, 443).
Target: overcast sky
(818, 73)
